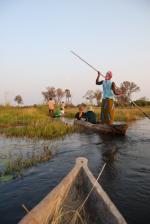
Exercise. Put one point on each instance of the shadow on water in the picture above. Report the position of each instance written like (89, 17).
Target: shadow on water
(125, 177)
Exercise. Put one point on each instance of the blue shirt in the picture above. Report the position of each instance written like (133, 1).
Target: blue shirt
(107, 89)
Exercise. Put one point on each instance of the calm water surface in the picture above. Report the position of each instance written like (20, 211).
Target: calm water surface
(126, 177)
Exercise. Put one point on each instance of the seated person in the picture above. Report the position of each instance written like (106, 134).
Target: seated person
(90, 115)
(81, 114)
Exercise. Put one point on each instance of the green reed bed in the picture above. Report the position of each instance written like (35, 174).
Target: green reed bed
(130, 114)
(121, 114)
(32, 122)
(15, 166)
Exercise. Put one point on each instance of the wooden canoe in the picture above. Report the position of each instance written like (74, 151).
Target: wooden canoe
(117, 128)
(62, 203)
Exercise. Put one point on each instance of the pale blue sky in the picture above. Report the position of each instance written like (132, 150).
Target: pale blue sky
(36, 37)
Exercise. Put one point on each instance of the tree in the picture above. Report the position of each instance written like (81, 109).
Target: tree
(97, 95)
(128, 88)
(50, 93)
(89, 96)
(18, 99)
(59, 95)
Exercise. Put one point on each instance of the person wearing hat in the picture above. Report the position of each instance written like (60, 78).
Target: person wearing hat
(90, 115)
(109, 90)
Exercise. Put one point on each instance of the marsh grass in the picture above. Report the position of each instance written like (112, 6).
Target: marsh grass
(32, 122)
(15, 166)
(121, 114)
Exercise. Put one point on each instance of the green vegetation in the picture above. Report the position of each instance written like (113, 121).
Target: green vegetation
(34, 122)
(20, 163)
(31, 122)
(121, 113)
(15, 166)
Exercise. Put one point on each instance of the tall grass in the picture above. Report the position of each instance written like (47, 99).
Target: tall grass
(32, 122)
(121, 114)
(15, 166)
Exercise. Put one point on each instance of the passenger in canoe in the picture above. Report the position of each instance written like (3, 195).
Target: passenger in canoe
(90, 115)
(109, 90)
(81, 115)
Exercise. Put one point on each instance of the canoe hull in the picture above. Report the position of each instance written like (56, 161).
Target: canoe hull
(118, 128)
(66, 198)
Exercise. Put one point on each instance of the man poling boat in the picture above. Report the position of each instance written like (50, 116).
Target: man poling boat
(109, 90)
(107, 111)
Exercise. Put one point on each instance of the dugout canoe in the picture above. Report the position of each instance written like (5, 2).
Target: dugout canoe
(117, 128)
(62, 203)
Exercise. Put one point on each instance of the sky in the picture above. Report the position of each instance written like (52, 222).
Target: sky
(36, 37)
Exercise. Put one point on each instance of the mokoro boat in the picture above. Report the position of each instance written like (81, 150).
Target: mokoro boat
(62, 204)
(117, 128)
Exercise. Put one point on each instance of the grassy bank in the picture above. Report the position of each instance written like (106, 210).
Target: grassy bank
(121, 114)
(32, 122)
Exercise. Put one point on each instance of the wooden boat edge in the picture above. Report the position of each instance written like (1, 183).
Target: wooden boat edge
(114, 129)
(34, 217)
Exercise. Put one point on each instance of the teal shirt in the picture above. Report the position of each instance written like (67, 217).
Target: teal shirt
(107, 89)
(91, 117)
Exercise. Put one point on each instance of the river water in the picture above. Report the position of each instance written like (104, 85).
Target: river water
(126, 177)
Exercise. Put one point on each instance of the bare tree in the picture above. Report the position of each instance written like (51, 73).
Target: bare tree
(97, 95)
(89, 96)
(59, 95)
(18, 99)
(50, 93)
(128, 88)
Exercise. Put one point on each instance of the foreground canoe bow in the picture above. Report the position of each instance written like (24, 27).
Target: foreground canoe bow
(62, 203)
(117, 128)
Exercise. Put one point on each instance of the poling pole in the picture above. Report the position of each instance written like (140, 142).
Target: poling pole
(146, 115)
(86, 62)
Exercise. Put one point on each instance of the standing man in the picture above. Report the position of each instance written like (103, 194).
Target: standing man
(51, 106)
(109, 90)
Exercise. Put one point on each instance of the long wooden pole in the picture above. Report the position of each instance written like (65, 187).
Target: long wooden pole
(86, 62)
